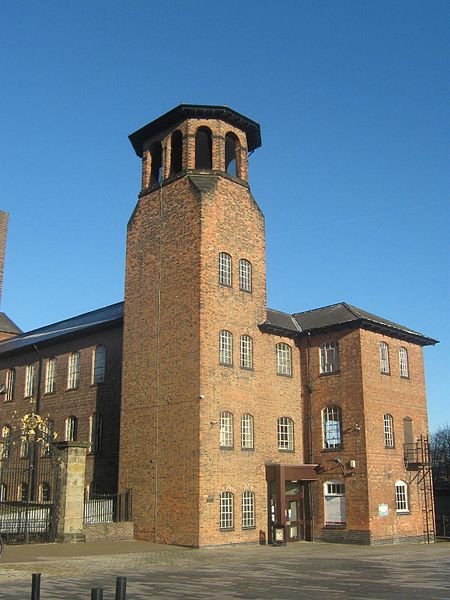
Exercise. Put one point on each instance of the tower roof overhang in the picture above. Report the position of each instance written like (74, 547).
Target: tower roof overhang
(197, 111)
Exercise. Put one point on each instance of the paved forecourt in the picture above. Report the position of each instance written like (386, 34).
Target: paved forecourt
(317, 571)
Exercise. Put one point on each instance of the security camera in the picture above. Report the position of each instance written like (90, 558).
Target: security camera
(338, 461)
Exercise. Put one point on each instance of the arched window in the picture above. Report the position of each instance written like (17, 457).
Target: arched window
(384, 358)
(24, 448)
(10, 384)
(403, 360)
(5, 443)
(176, 152)
(401, 497)
(231, 154)
(226, 430)
(285, 433)
(225, 348)
(203, 148)
(225, 268)
(50, 376)
(95, 433)
(332, 427)
(334, 495)
(284, 359)
(226, 510)
(71, 429)
(98, 364)
(245, 275)
(156, 158)
(247, 432)
(388, 431)
(248, 510)
(44, 492)
(246, 352)
(73, 371)
(329, 357)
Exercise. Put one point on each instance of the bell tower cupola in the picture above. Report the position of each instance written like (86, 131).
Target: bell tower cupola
(195, 139)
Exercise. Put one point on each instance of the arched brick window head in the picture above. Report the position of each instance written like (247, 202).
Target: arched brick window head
(203, 148)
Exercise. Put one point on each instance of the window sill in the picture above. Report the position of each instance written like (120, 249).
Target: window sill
(247, 368)
(225, 529)
(226, 447)
(49, 393)
(289, 376)
(72, 389)
(228, 365)
(337, 449)
(246, 291)
(225, 285)
(286, 450)
(336, 526)
(405, 377)
(400, 513)
(389, 447)
(249, 527)
(385, 373)
(328, 373)
(247, 449)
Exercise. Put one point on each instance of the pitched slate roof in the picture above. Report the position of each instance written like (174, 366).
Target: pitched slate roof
(337, 316)
(8, 326)
(102, 317)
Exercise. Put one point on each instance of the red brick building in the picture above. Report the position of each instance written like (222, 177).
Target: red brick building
(238, 423)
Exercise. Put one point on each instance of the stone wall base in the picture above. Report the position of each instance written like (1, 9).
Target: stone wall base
(364, 537)
(71, 538)
(98, 532)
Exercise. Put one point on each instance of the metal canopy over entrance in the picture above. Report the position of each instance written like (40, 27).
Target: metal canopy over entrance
(29, 482)
(289, 502)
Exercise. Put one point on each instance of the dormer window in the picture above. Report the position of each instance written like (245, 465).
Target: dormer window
(203, 148)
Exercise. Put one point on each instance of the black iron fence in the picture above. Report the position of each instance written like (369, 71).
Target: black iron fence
(109, 508)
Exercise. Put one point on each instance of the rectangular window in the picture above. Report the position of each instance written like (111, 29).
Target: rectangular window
(401, 497)
(334, 503)
(329, 357)
(95, 433)
(247, 432)
(245, 275)
(50, 376)
(388, 431)
(10, 385)
(98, 365)
(248, 510)
(29, 381)
(284, 359)
(226, 430)
(331, 420)
(225, 348)
(71, 429)
(384, 358)
(246, 352)
(224, 269)
(226, 510)
(73, 371)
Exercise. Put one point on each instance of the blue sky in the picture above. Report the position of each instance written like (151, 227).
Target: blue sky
(353, 102)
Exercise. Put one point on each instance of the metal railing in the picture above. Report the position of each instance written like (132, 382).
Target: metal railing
(108, 508)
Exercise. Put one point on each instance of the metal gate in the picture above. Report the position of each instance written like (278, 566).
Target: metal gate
(29, 482)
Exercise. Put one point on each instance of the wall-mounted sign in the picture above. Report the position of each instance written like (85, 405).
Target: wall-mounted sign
(383, 510)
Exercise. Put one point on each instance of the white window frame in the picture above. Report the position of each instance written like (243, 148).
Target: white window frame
(50, 376)
(248, 510)
(384, 358)
(388, 431)
(98, 365)
(245, 275)
(285, 433)
(226, 511)
(226, 430)
(283, 359)
(329, 357)
(73, 371)
(71, 429)
(225, 347)
(401, 497)
(247, 432)
(246, 352)
(29, 381)
(334, 503)
(10, 384)
(403, 362)
(225, 269)
(332, 427)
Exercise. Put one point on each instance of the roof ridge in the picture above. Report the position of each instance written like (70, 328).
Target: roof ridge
(319, 308)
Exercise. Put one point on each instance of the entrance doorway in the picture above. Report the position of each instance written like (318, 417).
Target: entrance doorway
(295, 511)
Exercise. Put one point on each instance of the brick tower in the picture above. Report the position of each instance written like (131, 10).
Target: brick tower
(195, 271)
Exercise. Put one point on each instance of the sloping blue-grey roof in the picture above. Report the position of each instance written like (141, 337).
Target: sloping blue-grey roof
(100, 317)
(8, 326)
